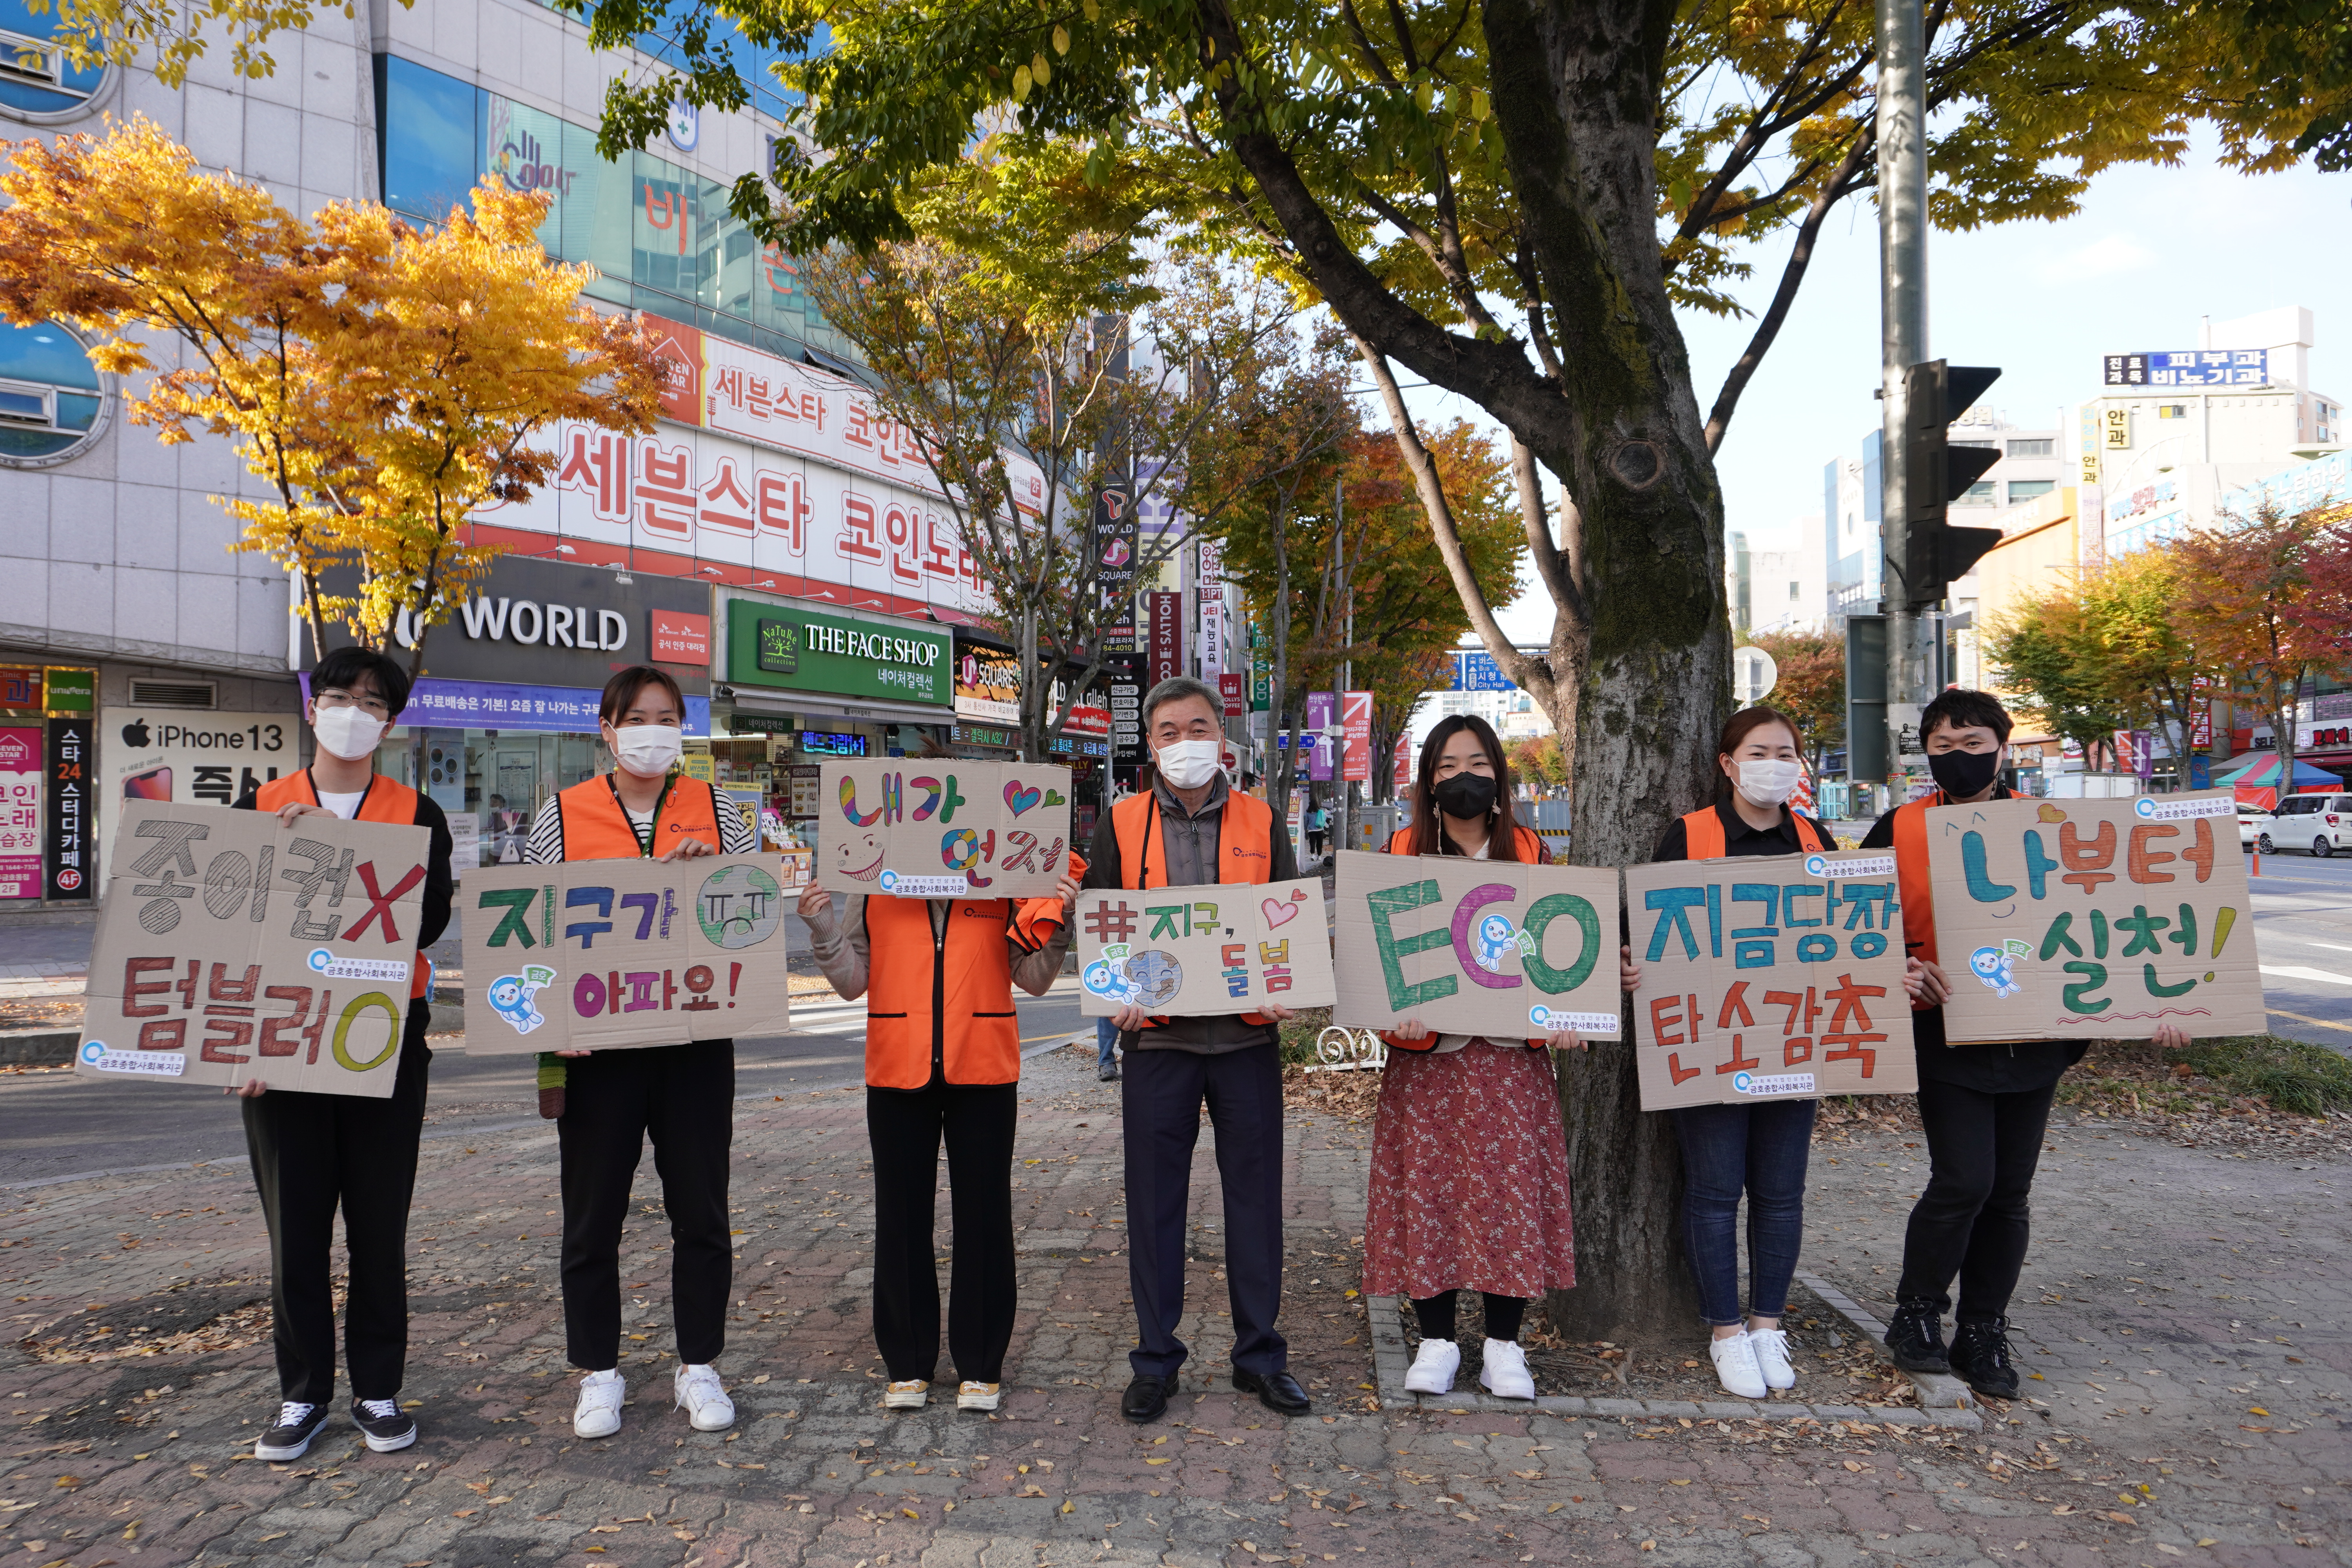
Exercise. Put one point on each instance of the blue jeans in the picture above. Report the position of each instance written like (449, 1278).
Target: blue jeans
(1760, 1149)
(1106, 1039)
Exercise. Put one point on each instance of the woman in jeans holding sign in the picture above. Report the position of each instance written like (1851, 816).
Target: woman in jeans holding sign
(1469, 1181)
(1760, 1149)
(606, 1102)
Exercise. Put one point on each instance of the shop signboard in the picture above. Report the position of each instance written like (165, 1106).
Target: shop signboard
(21, 688)
(1111, 538)
(789, 647)
(943, 827)
(1503, 949)
(20, 811)
(187, 757)
(234, 947)
(617, 955)
(677, 636)
(1771, 978)
(1319, 708)
(2091, 919)
(1212, 949)
(70, 690)
(987, 685)
(1167, 649)
(1126, 690)
(72, 868)
(1232, 693)
(1355, 718)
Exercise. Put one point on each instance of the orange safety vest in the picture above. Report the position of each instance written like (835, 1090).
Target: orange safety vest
(386, 802)
(1703, 834)
(1244, 846)
(952, 1016)
(595, 827)
(1911, 875)
(1531, 852)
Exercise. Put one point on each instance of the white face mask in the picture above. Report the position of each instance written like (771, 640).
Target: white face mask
(349, 733)
(1769, 781)
(648, 750)
(1189, 764)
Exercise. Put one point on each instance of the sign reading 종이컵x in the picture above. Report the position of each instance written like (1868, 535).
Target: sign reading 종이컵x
(783, 646)
(1198, 951)
(2094, 919)
(1476, 947)
(231, 948)
(1770, 977)
(608, 954)
(942, 828)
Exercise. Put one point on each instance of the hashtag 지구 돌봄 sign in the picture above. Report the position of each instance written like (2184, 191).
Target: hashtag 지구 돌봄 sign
(1194, 952)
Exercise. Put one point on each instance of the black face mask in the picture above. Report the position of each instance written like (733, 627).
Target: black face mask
(1964, 774)
(1466, 796)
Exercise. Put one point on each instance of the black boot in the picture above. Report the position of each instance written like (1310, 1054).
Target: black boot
(1916, 1338)
(1980, 1354)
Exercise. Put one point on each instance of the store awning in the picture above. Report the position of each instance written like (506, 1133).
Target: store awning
(754, 701)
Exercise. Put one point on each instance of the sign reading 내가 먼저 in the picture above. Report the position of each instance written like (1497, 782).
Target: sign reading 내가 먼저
(1770, 978)
(606, 954)
(942, 828)
(1220, 947)
(2094, 919)
(231, 948)
(1498, 948)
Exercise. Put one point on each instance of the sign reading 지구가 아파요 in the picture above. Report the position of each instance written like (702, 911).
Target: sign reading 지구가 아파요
(2094, 919)
(1476, 947)
(942, 828)
(1220, 947)
(231, 948)
(1770, 978)
(608, 954)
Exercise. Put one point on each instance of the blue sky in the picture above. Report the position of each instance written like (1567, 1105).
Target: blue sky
(2152, 250)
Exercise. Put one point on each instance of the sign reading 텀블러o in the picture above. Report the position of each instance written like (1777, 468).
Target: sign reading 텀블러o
(942, 828)
(607, 954)
(1221, 947)
(231, 948)
(1770, 978)
(1476, 947)
(2094, 919)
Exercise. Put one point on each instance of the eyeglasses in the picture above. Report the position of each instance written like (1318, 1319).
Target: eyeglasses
(333, 697)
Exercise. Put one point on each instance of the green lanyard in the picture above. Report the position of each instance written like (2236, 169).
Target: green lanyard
(645, 836)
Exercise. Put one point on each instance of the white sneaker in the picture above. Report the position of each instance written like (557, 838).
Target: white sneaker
(1772, 1348)
(706, 1405)
(598, 1414)
(911, 1395)
(1504, 1374)
(1434, 1368)
(1735, 1365)
(979, 1395)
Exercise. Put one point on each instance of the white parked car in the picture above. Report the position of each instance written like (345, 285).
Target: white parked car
(2254, 828)
(2321, 823)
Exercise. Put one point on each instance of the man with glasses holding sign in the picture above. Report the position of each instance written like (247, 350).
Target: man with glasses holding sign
(313, 1151)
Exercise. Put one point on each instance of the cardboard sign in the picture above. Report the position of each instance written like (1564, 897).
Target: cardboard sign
(608, 954)
(2094, 919)
(1476, 947)
(942, 828)
(230, 948)
(1770, 978)
(1215, 948)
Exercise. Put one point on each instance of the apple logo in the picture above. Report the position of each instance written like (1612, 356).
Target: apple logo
(134, 735)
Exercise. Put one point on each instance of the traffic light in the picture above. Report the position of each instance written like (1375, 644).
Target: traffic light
(1936, 474)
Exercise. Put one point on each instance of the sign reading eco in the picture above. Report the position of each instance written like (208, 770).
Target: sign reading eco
(807, 651)
(1476, 947)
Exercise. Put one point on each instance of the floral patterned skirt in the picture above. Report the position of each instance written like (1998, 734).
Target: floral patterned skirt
(1469, 1183)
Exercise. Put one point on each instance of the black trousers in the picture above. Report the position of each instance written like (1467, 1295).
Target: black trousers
(312, 1153)
(906, 1127)
(1976, 1215)
(684, 1097)
(1160, 1115)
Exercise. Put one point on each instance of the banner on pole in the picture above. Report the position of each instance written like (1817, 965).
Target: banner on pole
(943, 827)
(1221, 947)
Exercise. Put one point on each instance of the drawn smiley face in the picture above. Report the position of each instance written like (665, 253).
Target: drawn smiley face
(858, 856)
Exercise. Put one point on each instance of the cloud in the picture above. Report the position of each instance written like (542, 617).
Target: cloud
(2100, 259)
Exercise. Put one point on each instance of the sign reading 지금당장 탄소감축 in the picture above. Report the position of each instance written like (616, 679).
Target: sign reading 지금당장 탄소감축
(2094, 919)
(942, 828)
(1221, 947)
(1770, 978)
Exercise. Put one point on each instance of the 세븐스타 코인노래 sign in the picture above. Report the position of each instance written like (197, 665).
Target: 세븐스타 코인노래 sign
(942, 828)
(1221, 947)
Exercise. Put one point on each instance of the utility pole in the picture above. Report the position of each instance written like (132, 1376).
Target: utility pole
(1347, 666)
(1903, 315)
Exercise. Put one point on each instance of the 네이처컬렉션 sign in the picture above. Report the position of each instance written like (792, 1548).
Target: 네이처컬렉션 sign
(1503, 949)
(1770, 978)
(605, 954)
(1221, 947)
(942, 828)
(231, 948)
(2094, 919)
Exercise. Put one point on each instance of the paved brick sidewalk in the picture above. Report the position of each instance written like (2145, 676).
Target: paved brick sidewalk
(131, 1459)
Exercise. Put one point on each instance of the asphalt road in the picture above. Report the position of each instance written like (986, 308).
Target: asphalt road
(2303, 912)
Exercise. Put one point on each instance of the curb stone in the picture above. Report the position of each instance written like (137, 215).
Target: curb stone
(1937, 1390)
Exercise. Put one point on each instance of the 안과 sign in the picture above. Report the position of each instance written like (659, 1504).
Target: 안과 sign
(787, 647)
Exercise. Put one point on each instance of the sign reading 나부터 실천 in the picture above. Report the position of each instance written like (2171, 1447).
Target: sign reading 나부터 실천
(1770, 977)
(1221, 947)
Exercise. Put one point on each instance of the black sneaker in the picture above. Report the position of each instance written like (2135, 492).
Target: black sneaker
(387, 1425)
(296, 1423)
(1980, 1354)
(1915, 1340)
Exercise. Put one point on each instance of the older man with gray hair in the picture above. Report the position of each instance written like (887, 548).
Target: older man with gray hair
(1191, 827)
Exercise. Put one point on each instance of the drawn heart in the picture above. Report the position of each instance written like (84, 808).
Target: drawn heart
(2049, 814)
(1054, 796)
(1020, 799)
(1277, 911)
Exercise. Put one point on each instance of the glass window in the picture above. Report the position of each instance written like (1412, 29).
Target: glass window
(36, 77)
(2041, 447)
(429, 141)
(1978, 494)
(2027, 490)
(48, 391)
